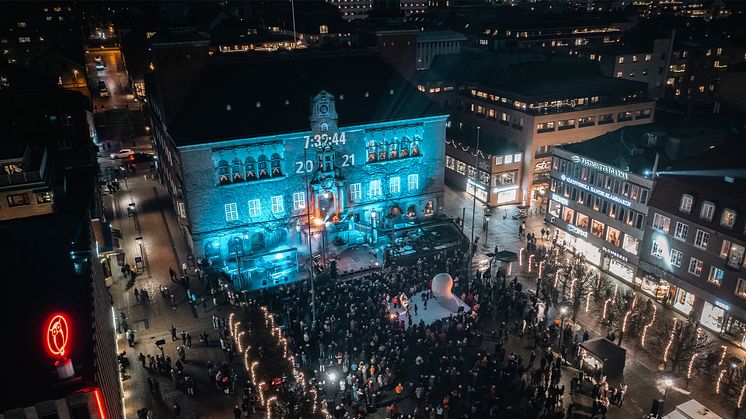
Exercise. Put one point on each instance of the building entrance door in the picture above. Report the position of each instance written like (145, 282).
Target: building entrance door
(327, 205)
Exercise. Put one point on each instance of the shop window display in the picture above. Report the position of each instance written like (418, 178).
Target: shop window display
(684, 301)
(597, 228)
(712, 317)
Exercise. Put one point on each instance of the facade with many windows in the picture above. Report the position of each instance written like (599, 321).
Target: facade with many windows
(355, 165)
(693, 253)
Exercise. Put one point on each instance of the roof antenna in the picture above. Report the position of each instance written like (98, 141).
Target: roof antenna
(292, 10)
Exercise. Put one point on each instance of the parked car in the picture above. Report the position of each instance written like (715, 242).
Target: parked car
(141, 157)
(123, 154)
(102, 90)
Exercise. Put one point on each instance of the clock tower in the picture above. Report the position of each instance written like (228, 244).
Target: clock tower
(327, 183)
(323, 116)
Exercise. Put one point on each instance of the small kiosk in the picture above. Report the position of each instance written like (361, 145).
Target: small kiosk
(601, 354)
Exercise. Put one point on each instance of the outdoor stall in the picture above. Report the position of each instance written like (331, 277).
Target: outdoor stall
(602, 355)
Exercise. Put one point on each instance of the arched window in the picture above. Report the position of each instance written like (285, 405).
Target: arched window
(415, 147)
(324, 127)
(383, 150)
(224, 173)
(237, 170)
(394, 149)
(404, 147)
(372, 156)
(235, 247)
(250, 168)
(257, 241)
(263, 167)
(412, 211)
(275, 164)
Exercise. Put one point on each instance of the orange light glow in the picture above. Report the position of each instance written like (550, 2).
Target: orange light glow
(58, 333)
(99, 403)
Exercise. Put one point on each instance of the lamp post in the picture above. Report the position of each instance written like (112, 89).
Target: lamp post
(669, 384)
(563, 311)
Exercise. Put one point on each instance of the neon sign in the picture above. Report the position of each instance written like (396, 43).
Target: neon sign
(58, 333)
(610, 170)
(577, 230)
(618, 200)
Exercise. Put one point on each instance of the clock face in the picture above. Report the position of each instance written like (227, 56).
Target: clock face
(323, 109)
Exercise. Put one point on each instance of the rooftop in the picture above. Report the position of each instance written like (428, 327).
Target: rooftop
(528, 75)
(39, 279)
(246, 98)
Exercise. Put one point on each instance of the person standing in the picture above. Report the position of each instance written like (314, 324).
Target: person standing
(173, 333)
(188, 340)
(177, 410)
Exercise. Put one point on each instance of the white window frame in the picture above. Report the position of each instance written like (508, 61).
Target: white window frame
(681, 231)
(724, 249)
(278, 204)
(656, 250)
(711, 276)
(413, 182)
(661, 222)
(695, 267)
(255, 208)
(722, 218)
(299, 200)
(182, 209)
(740, 284)
(707, 212)
(356, 192)
(395, 185)
(676, 257)
(231, 212)
(686, 204)
(702, 239)
(374, 188)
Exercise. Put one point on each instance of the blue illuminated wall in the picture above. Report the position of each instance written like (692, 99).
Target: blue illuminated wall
(212, 235)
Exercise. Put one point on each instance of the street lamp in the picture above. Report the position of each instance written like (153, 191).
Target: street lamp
(563, 311)
(669, 384)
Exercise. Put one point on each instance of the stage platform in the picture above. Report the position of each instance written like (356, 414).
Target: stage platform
(434, 310)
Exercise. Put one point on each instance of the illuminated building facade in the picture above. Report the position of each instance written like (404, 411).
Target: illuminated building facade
(334, 159)
(696, 240)
(535, 101)
(599, 208)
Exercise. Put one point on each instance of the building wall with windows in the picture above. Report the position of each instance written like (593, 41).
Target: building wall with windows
(693, 252)
(599, 210)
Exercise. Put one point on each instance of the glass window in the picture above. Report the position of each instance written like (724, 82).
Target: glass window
(231, 212)
(374, 189)
(223, 171)
(18, 200)
(278, 204)
(255, 208)
(728, 219)
(517, 157)
(661, 222)
(695, 267)
(716, 276)
(508, 159)
(656, 250)
(597, 228)
(741, 288)
(554, 208)
(568, 214)
(707, 211)
(735, 258)
(461, 167)
(724, 249)
(701, 239)
(582, 221)
(687, 201)
(356, 193)
(450, 162)
(299, 200)
(44, 197)
(676, 257)
(630, 244)
(395, 185)
(614, 237)
(681, 231)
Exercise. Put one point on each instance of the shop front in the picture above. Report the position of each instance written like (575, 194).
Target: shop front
(713, 316)
(473, 187)
(617, 264)
(723, 319)
(657, 288)
(684, 301)
(591, 253)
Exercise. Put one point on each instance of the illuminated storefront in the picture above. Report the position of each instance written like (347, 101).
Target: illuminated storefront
(713, 316)
(684, 301)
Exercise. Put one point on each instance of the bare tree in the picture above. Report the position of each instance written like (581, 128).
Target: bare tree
(675, 342)
(577, 284)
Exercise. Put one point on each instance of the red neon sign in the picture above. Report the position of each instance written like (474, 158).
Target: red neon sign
(58, 333)
(99, 404)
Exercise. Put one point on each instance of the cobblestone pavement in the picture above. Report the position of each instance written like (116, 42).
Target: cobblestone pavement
(641, 373)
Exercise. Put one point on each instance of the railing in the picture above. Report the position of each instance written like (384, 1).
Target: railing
(20, 178)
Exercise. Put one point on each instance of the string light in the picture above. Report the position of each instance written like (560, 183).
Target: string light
(624, 323)
(720, 378)
(740, 396)
(572, 286)
(616, 288)
(530, 262)
(670, 341)
(587, 302)
(647, 326)
(556, 278)
(541, 268)
(722, 356)
(691, 366)
(520, 256)
(606, 306)
(269, 406)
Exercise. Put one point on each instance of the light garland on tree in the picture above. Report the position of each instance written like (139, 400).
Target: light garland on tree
(670, 341)
(722, 356)
(520, 256)
(530, 262)
(740, 396)
(691, 366)
(556, 278)
(587, 302)
(720, 378)
(541, 268)
(572, 286)
(606, 306)
(647, 326)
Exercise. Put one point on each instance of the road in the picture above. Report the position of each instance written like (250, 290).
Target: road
(115, 77)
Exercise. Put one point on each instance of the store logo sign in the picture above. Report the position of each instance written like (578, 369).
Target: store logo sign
(561, 199)
(577, 230)
(605, 168)
(722, 305)
(542, 166)
(600, 192)
(615, 254)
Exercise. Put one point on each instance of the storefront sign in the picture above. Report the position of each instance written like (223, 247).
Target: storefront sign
(58, 333)
(615, 254)
(577, 230)
(477, 184)
(561, 199)
(722, 305)
(542, 166)
(600, 192)
(609, 170)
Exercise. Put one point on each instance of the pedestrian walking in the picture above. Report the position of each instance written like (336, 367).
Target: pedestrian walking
(141, 357)
(183, 337)
(177, 410)
(173, 333)
(236, 412)
(137, 295)
(204, 303)
(188, 340)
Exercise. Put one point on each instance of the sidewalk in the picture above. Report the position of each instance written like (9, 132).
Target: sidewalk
(163, 247)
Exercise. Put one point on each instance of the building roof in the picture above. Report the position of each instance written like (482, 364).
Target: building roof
(629, 148)
(533, 76)
(39, 280)
(494, 146)
(254, 97)
(447, 35)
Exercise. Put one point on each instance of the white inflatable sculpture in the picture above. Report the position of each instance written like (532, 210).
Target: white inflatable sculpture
(441, 287)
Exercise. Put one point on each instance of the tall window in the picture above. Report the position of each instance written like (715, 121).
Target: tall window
(299, 200)
(263, 167)
(687, 201)
(404, 148)
(724, 249)
(735, 257)
(657, 250)
(741, 288)
(395, 185)
(661, 223)
(695, 267)
(716, 276)
(250, 164)
(275, 164)
(413, 182)
(224, 173)
(707, 211)
(237, 170)
(701, 239)
(278, 204)
(356, 192)
(415, 147)
(676, 257)
(394, 149)
(681, 231)
(231, 212)
(371, 149)
(728, 219)
(255, 208)
(374, 189)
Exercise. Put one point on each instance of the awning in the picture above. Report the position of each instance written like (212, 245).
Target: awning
(506, 256)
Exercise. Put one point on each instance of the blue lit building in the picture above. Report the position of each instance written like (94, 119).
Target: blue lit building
(264, 158)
